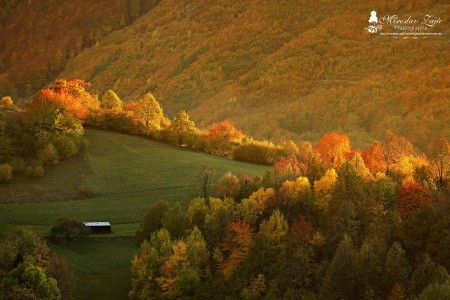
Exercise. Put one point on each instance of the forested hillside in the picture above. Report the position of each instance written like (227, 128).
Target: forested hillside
(38, 38)
(284, 69)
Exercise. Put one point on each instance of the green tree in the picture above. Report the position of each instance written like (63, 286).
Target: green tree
(386, 191)
(438, 242)
(173, 220)
(152, 221)
(196, 213)
(426, 273)
(183, 128)
(205, 176)
(397, 267)
(24, 248)
(369, 268)
(7, 151)
(35, 280)
(436, 291)
(219, 216)
(146, 265)
(66, 230)
(28, 281)
(275, 229)
(227, 186)
(339, 282)
(110, 100)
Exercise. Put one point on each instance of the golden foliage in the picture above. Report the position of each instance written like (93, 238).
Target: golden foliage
(323, 188)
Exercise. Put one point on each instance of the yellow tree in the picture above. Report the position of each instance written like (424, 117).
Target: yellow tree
(261, 198)
(149, 112)
(183, 128)
(110, 100)
(360, 167)
(306, 156)
(6, 102)
(170, 269)
(395, 147)
(441, 159)
(275, 229)
(323, 188)
(294, 189)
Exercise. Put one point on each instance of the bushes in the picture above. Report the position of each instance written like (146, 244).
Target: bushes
(5, 172)
(258, 152)
(48, 155)
(35, 171)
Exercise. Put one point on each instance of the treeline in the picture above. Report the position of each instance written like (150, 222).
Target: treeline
(322, 224)
(50, 128)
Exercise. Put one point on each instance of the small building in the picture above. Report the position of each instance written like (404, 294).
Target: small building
(98, 227)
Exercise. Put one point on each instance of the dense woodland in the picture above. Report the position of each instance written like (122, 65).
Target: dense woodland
(327, 222)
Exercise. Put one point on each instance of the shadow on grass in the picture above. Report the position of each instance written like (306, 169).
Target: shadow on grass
(101, 264)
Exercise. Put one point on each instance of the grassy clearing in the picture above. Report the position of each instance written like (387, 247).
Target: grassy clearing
(116, 179)
(101, 266)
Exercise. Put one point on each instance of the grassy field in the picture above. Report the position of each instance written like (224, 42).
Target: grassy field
(116, 179)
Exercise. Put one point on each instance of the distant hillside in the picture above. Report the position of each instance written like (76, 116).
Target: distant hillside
(284, 69)
(39, 37)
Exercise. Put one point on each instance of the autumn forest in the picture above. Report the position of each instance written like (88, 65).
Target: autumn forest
(240, 149)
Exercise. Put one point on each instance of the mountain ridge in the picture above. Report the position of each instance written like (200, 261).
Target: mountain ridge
(287, 70)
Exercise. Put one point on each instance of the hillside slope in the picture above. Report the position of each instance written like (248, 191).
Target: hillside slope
(122, 167)
(290, 69)
(284, 69)
(122, 176)
(39, 37)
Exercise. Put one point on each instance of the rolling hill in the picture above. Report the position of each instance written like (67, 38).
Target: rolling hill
(116, 179)
(279, 70)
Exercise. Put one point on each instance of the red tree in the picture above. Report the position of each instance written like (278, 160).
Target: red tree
(332, 148)
(374, 159)
(235, 246)
(71, 95)
(224, 131)
(411, 198)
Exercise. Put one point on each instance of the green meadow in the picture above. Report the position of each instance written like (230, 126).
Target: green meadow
(115, 179)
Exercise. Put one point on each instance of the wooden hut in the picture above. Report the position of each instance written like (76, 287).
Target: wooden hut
(98, 227)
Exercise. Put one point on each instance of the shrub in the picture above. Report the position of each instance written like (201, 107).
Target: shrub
(5, 172)
(35, 171)
(18, 164)
(65, 146)
(49, 155)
